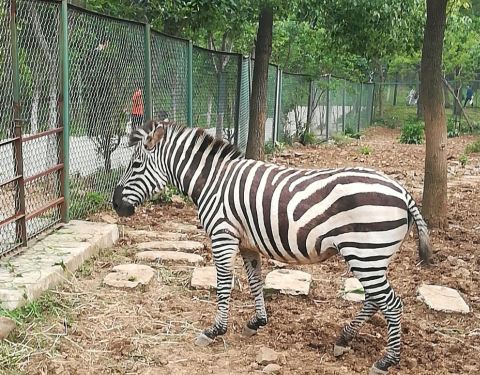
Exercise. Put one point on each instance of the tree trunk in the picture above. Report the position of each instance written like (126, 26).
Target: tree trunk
(258, 102)
(435, 184)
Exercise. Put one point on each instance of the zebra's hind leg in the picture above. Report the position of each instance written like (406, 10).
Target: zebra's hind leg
(350, 330)
(224, 249)
(253, 266)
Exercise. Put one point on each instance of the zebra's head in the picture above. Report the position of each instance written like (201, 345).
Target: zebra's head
(144, 176)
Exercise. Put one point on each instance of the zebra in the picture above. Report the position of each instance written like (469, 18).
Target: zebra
(292, 215)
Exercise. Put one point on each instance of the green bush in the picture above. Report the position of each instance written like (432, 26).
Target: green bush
(351, 132)
(412, 132)
(463, 160)
(473, 147)
(273, 147)
(308, 138)
(365, 150)
(452, 129)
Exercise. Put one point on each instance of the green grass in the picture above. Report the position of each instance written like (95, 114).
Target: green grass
(365, 150)
(473, 147)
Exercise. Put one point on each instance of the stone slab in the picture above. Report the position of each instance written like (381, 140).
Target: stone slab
(142, 235)
(353, 290)
(441, 298)
(170, 257)
(182, 228)
(288, 281)
(204, 278)
(48, 262)
(187, 246)
(129, 276)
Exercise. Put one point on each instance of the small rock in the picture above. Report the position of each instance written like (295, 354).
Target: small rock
(276, 263)
(129, 276)
(287, 281)
(411, 363)
(272, 368)
(441, 298)
(204, 278)
(182, 228)
(266, 356)
(6, 326)
(109, 219)
(170, 257)
(171, 246)
(353, 290)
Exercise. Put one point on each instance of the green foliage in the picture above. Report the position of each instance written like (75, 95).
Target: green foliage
(274, 147)
(340, 139)
(463, 159)
(166, 195)
(473, 147)
(452, 128)
(34, 310)
(351, 132)
(307, 138)
(365, 150)
(412, 132)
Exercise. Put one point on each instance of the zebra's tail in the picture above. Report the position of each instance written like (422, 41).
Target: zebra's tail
(425, 247)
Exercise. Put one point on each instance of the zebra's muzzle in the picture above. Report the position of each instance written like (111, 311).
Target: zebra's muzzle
(121, 207)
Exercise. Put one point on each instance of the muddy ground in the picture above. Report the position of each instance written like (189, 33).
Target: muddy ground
(88, 328)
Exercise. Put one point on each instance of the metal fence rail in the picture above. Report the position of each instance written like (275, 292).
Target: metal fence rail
(75, 83)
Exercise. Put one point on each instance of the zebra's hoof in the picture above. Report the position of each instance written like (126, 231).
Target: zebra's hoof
(203, 340)
(248, 332)
(376, 371)
(339, 350)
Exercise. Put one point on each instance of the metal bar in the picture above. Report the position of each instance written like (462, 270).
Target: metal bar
(8, 141)
(360, 108)
(148, 73)
(21, 227)
(238, 98)
(190, 84)
(42, 134)
(42, 209)
(344, 100)
(12, 219)
(309, 106)
(276, 107)
(280, 88)
(13, 179)
(44, 173)
(103, 16)
(64, 151)
(327, 117)
(372, 105)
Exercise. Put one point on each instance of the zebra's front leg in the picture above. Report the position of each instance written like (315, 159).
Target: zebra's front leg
(253, 266)
(224, 249)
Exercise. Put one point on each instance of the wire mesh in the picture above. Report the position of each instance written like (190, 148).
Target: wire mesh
(38, 48)
(319, 108)
(215, 77)
(169, 78)
(8, 200)
(244, 106)
(106, 98)
(294, 105)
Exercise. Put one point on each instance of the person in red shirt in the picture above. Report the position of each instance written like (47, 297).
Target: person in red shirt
(137, 109)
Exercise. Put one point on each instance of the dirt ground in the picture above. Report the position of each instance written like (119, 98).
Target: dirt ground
(93, 329)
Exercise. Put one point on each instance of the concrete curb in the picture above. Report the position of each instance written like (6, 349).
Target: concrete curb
(47, 263)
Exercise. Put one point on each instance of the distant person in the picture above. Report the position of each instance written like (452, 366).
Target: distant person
(469, 98)
(137, 109)
(412, 97)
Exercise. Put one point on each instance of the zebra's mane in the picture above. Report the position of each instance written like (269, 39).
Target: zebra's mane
(202, 136)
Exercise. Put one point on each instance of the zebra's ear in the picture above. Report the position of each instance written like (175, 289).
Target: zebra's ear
(141, 133)
(154, 137)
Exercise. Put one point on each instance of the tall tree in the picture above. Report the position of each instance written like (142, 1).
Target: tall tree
(431, 91)
(258, 100)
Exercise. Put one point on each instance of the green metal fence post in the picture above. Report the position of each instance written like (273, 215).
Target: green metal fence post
(309, 105)
(20, 224)
(372, 105)
(344, 99)
(148, 73)
(327, 117)
(64, 119)
(280, 89)
(190, 84)
(276, 106)
(238, 98)
(360, 107)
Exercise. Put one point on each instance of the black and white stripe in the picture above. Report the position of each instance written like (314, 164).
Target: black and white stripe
(291, 215)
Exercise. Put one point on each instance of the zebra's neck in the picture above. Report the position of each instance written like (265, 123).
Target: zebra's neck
(192, 159)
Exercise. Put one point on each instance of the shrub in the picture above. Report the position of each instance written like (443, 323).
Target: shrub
(273, 147)
(473, 147)
(463, 160)
(412, 132)
(339, 139)
(365, 150)
(308, 138)
(452, 129)
(350, 132)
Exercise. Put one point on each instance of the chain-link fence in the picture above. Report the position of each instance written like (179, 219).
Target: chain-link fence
(75, 83)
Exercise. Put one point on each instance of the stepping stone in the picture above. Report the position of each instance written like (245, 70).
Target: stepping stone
(441, 298)
(170, 257)
(154, 235)
(353, 290)
(188, 246)
(129, 276)
(7, 325)
(287, 281)
(266, 356)
(182, 228)
(272, 368)
(204, 278)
